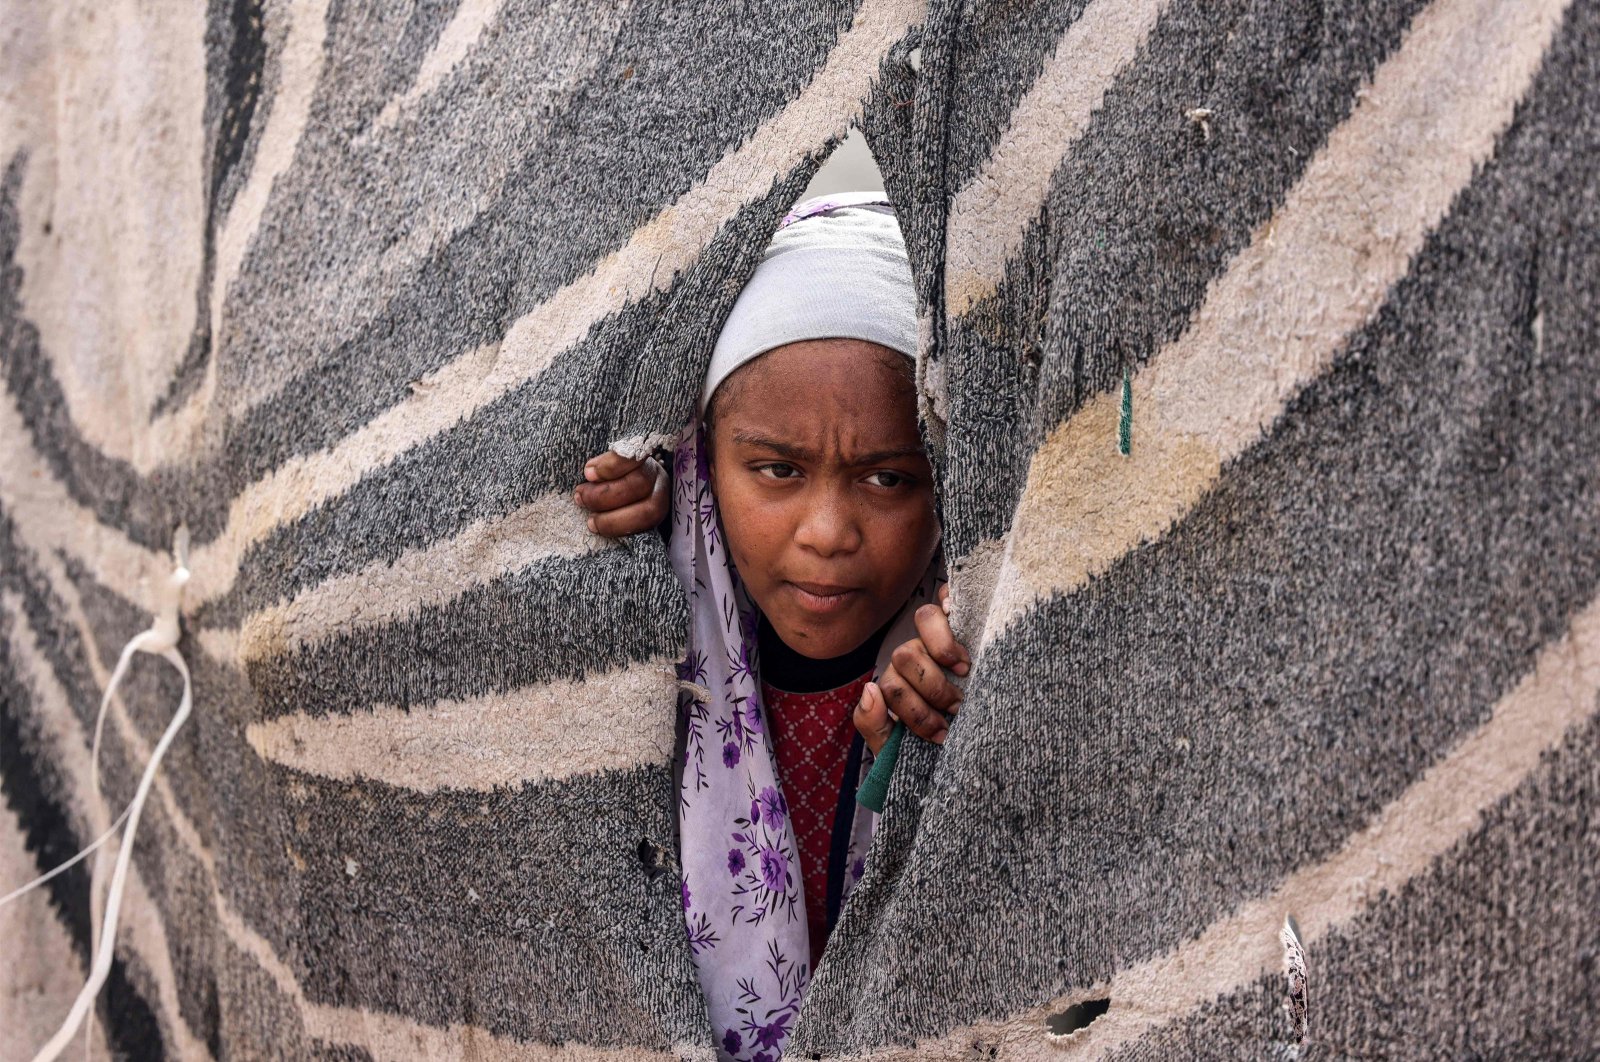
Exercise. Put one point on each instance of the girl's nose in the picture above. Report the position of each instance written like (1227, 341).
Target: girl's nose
(829, 527)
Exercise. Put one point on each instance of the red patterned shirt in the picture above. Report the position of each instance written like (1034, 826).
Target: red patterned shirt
(812, 733)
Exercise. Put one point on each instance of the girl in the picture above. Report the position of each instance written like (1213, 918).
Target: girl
(805, 530)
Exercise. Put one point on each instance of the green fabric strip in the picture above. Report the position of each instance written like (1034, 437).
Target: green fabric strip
(875, 788)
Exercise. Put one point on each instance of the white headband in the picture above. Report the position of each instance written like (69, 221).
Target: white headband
(837, 268)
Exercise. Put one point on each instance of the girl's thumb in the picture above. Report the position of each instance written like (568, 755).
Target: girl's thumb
(872, 716)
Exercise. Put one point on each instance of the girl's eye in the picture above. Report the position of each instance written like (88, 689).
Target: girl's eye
(888, 478)
(778, 470)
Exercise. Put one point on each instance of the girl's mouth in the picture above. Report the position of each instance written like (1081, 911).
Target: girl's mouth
(821, 598)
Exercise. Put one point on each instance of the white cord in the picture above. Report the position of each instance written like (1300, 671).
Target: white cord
(162, 640)
(69, 864)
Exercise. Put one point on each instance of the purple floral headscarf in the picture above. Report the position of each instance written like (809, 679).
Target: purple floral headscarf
(743, 897)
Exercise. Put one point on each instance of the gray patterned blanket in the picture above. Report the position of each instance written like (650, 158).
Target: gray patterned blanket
(1259, 369)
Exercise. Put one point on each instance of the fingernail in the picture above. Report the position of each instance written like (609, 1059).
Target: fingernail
(590, 522)
(939, 740)
(961, 668)
(590, 474)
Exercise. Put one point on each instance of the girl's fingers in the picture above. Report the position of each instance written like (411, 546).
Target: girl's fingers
(617, 493)
(871, 718)
(924, 675)
(934, 628)
(909, 707)
(631, 519)
(608, 466)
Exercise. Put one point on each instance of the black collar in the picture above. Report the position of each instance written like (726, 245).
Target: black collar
(792, 672)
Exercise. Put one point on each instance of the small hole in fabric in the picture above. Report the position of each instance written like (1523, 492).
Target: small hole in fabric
(1078, 1016)
(653, 858)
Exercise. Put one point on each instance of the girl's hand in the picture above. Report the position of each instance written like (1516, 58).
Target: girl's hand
(915, 689)
(626, 496)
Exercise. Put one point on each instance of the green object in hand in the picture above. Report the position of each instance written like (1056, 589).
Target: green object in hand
(871, 793)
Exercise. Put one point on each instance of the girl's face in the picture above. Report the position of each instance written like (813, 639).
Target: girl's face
(825, 493)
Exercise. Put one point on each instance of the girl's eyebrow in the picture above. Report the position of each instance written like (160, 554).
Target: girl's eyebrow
(877, 457)
(800, 453)
(765, 442)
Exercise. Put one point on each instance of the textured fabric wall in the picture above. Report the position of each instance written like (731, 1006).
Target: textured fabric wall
(350, 290)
